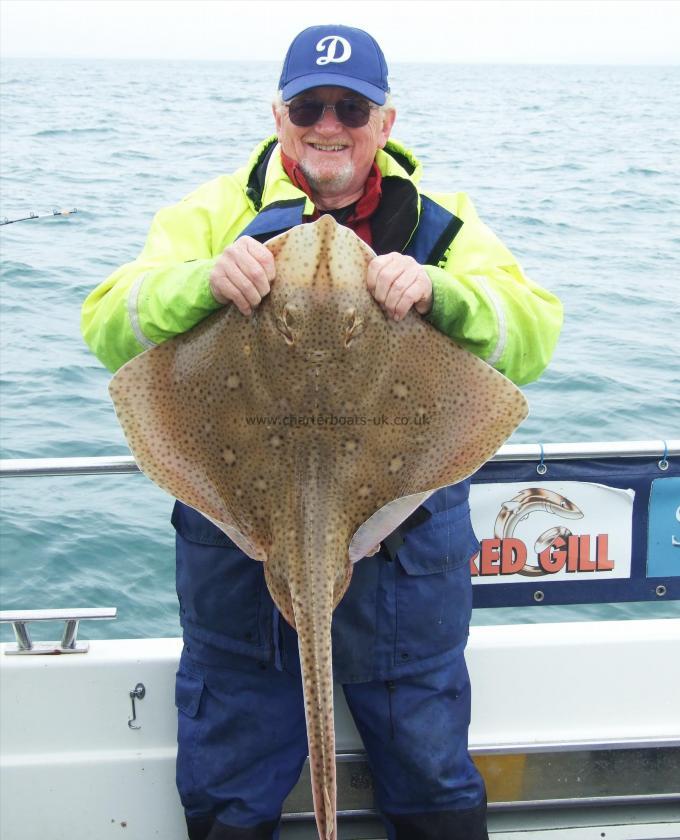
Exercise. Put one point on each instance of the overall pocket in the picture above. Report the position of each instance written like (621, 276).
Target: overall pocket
(433, 585)
(220, 589)
(188, 693)
(189, 689)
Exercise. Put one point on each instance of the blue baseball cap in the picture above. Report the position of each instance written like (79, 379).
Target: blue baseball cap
(335, 55)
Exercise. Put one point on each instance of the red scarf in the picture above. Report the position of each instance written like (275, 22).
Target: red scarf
(365, 207)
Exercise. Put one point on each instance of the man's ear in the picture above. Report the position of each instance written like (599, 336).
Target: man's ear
(278, 117)
(389, 117)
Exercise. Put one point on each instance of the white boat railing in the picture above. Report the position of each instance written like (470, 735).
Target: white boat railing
(116, 464)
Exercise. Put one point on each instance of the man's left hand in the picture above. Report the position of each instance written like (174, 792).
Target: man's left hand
(398, 282)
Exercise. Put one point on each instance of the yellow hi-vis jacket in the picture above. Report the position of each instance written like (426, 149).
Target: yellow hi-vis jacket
(481, 298)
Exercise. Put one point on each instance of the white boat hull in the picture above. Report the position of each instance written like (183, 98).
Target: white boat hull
(73, 768)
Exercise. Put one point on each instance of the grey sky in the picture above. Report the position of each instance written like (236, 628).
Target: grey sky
(497, 31)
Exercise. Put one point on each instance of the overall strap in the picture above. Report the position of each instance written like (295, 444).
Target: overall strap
(446, 498)
(437, 228)
(275, 218)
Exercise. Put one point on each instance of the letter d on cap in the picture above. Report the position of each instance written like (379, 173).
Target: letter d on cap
(330, 57)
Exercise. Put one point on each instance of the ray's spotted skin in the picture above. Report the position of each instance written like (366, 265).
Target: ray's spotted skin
(221, 418)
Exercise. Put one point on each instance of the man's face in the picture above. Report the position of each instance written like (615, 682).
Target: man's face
(335, 159)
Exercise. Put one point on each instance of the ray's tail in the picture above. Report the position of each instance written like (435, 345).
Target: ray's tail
(317, 684)
(308, 572)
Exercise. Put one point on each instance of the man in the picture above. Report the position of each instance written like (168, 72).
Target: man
(400, 631)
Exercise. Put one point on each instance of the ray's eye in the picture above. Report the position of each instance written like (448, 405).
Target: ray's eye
(354, 326)
(284, 324)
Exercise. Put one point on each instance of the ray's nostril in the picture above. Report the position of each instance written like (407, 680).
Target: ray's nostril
(354, 326)
(284, 324)
(286, 333)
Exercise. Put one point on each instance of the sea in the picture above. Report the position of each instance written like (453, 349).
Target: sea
(576, 168)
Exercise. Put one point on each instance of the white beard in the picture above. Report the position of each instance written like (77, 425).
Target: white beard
(326, 183)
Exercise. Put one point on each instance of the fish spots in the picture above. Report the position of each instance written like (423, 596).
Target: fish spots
(349, 446)
(233, 381)
(228, 456)
(260, 484)
(396, 463)
(275, 441)
(364, 491)
(400, 390)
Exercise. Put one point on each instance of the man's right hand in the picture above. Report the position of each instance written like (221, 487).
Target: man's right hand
(243, 274)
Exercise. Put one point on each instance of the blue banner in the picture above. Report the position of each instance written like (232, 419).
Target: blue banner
(663, 544)
(586, 531)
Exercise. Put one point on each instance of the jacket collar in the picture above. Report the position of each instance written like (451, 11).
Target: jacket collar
(396, 218)
(267, 180)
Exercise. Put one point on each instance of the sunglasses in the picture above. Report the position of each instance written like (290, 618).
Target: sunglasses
(353, 113)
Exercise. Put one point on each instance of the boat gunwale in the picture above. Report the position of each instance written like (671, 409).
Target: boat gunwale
(120, 464)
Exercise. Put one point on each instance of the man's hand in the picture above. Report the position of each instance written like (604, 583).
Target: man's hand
(397, 283)
(243, 274)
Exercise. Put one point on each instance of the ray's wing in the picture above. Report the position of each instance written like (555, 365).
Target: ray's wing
(185, 407)
(441, 414)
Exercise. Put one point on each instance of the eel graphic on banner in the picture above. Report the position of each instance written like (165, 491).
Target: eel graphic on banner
(552, 530)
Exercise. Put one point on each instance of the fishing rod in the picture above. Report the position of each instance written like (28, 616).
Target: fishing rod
(33, 215)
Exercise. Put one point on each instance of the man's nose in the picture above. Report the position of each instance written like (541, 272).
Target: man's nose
(328, 120)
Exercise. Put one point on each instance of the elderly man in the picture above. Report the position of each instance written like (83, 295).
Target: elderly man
(400, 631)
